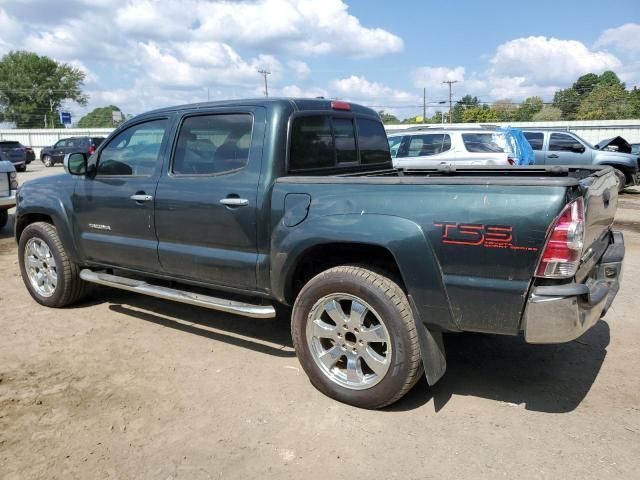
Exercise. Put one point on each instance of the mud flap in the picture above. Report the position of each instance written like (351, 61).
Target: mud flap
(431, 348)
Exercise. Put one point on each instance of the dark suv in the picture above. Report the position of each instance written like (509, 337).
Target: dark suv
(55, 154)
(15, 153)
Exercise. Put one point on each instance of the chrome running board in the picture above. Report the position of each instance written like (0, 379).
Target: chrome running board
(213, 303)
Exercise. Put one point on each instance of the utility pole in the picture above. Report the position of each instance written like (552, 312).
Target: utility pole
(266, 87)
(450, 82)
(424, 105)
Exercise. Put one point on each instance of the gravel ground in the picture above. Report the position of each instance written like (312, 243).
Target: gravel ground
(124, 386)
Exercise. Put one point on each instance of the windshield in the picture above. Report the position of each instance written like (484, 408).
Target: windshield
(480, 143)
(394, 145)
(9, 144)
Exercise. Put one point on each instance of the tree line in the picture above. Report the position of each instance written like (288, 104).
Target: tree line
(33, 89)
(591, 97)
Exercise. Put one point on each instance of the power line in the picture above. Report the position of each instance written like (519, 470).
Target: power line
(450, 82)
(266, 86)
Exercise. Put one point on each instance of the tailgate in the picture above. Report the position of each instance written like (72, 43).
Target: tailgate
(4, 184)
(600, 200)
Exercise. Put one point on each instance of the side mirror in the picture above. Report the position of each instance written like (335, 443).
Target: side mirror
(577, 148)
(75, 163)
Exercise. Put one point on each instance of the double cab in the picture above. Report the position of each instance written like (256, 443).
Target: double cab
(242, 206)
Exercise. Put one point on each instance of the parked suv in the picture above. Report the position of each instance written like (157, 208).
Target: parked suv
(55, 154)
(561, 147)
(430, 147)
(15, 153)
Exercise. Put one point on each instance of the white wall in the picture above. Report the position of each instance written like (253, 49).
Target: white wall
(591, 130)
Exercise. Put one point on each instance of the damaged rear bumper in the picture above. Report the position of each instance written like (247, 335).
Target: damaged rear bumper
(561, 313)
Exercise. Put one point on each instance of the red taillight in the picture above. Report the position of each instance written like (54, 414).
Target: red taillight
(28, 149)
(561, 255)
(511, 161)
(338, 105)
(92, 149)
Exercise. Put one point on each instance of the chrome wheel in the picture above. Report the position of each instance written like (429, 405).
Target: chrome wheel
(348, 341)
(40, 267)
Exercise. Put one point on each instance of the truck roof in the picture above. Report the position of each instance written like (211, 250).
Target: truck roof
(297, 104)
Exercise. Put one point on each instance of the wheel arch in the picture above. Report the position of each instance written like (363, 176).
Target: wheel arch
(392, 244)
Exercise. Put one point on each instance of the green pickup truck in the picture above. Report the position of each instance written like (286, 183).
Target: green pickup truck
(244, 206)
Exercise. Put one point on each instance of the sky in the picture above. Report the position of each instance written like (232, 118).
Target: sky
(144, 54)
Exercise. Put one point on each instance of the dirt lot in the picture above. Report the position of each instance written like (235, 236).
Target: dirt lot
(124, 386)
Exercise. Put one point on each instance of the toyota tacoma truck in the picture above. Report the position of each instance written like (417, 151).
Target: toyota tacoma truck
(242, 206)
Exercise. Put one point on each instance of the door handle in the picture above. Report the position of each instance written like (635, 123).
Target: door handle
(234, 202)
(553, 155)
(139, 197)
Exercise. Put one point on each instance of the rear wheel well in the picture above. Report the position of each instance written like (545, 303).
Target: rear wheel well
(25, 220)
(325, 256)
(624, 169)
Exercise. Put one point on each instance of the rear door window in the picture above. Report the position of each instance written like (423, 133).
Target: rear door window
(535, 139)
(561, 142)
(480, 143)
(427, 145)
(213, 144)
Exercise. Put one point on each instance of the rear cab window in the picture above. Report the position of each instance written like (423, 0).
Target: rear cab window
(323, 142)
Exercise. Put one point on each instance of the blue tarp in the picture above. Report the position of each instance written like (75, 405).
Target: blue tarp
(513, 141)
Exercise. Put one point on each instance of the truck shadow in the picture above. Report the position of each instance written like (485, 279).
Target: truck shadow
(268, 336)
(542, 378)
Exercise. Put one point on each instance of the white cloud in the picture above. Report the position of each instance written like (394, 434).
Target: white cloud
(359, 88)
(625, 38)
(548, 61)
(431, 78)
(300, 27)
(301, 69)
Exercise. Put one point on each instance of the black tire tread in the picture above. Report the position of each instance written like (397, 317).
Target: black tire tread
(395, 295)
(75, 288)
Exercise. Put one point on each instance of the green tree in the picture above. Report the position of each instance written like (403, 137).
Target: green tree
(567, 101)
(634, 101)
(547, 114)
(586, 83)
(457, 113)
(505, 110)
(32, 86)
(606, 102)
(479, 114)
(610, 79)
(528, 109)
(99, 118)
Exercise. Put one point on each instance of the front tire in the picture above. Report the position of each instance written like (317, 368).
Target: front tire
(356, 338)
(46, 160)
(50, 276)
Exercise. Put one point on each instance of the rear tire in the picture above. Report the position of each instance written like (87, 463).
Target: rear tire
(50, 276)
(622, 179)
(4, 218)
(46, 160)
(356, 338)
